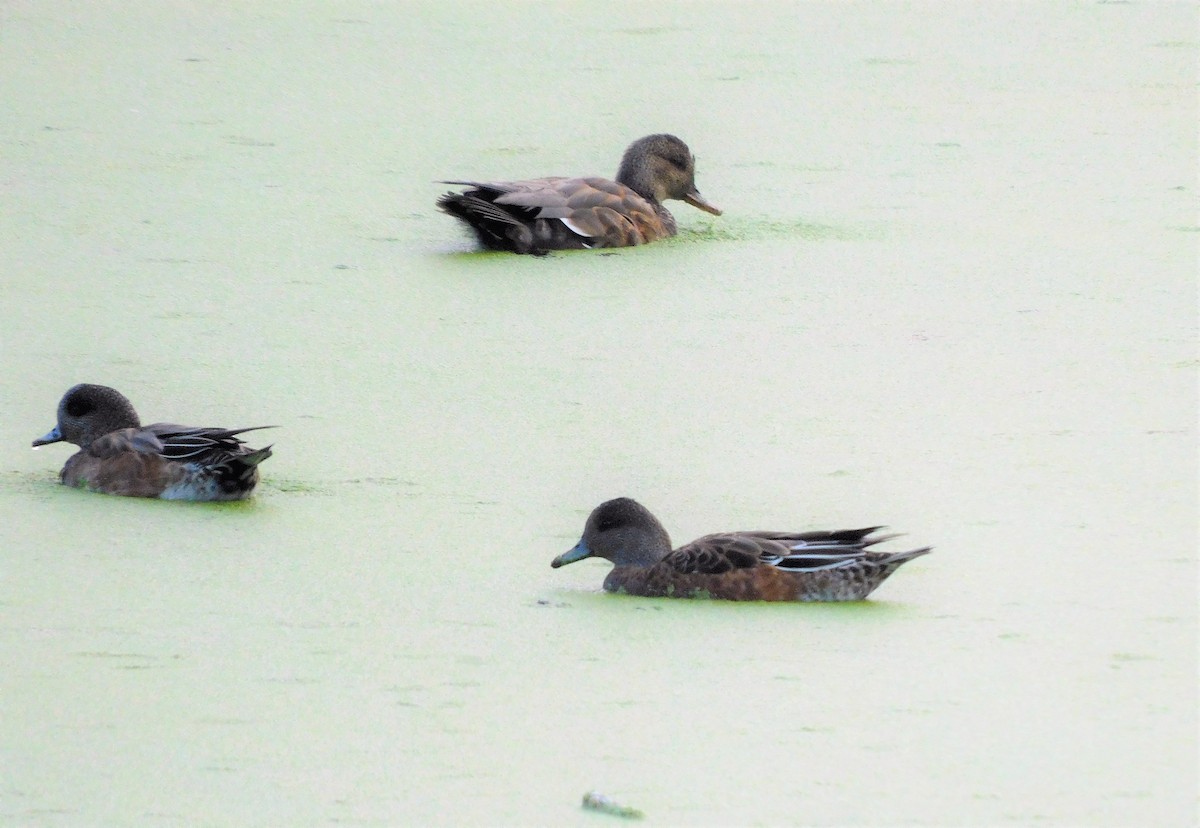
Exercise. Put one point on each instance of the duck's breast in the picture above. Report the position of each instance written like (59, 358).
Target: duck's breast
(129, 474)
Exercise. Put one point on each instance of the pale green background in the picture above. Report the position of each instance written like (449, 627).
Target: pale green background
(953, 291)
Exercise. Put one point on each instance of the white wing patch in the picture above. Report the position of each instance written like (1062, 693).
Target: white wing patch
(814, 556)
(816, 545)
(574, 229)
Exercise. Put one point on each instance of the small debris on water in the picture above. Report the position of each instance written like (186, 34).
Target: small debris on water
(596, 801)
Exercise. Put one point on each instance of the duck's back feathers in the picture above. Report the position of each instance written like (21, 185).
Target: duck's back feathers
(200, 445)
(795, 551)
(543, 214)
(173, 441)
(767, 566)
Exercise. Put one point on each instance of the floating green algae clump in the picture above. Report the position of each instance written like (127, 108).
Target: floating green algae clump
(596, 801)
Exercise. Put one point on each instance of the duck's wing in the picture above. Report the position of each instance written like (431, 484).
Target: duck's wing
(125, 440)
(714, 554)
(187, 443)
(531, 196)
(592, 207)
(527, 185)
(818, 551)
(788, 551)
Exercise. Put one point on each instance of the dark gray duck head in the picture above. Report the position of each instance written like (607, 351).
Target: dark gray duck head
(659, 167)
(88, 412)
(622, 531)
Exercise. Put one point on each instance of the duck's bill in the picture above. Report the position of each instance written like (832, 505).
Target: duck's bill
(698, 201)
(52, 436)
(576, 553)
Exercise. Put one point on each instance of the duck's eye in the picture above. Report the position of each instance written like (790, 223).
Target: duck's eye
(77, 407)
(606, 522)
(613, 519)
(678, 161)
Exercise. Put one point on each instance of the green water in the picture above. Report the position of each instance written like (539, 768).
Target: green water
(952, 291)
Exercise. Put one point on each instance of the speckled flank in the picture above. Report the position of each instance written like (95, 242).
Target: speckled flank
(760, 583)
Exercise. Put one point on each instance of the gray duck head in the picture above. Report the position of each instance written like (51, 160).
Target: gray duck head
(88, 412)
(622, 531)
(659, 167)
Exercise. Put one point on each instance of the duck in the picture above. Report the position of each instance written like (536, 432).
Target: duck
(120, 456)
(733, 566)
(539, 215)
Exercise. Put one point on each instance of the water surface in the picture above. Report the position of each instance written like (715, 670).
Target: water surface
(953, 292)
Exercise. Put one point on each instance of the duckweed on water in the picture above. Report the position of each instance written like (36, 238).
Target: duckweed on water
(596, 801)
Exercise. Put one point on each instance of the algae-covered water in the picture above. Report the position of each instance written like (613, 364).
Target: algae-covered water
(953, 291)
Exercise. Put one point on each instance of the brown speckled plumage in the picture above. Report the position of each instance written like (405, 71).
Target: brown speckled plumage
(556, 213)
(735, 566)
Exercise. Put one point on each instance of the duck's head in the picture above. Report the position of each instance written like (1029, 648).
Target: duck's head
(661, 166)
(622, 531)
(88, 412)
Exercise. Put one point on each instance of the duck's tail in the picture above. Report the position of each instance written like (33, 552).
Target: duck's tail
(897, 558)
(237, 475)
(495, 227)
(255, 457)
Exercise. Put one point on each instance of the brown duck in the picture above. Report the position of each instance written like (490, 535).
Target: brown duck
(543, 214)
(735, 566)
(120, 456)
